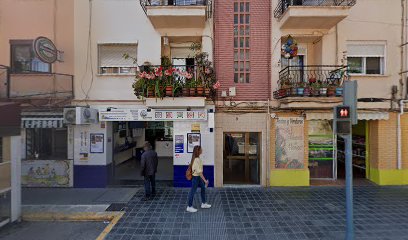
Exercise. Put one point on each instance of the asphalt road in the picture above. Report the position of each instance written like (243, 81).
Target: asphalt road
(52, 231)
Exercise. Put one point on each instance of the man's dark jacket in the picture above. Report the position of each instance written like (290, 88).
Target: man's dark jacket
(149, 163)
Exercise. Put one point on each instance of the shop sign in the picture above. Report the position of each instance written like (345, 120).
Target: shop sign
(45, 50)
(152, 115)
(289, 147)
(119, 115)
(166, 115)
(195, 127)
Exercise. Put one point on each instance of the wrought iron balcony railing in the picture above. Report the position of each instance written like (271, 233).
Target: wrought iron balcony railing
(313, 81)
(283, 5)
(145, 3)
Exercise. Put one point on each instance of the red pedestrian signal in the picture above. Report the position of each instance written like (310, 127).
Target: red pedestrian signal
(343, 112)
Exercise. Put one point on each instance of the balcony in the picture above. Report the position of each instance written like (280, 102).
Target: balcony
(174, 82)
(177, 13)
(312, 14)
(37, 86)
(305, 84)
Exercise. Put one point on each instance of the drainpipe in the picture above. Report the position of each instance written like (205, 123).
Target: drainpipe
(268, 142)
(399, 137)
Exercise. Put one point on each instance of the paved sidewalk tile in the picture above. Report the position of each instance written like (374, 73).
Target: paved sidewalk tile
(259, 213)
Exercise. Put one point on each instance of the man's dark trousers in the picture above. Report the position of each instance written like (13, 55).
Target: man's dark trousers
(150, 181)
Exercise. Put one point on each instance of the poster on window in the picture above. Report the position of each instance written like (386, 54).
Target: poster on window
(97, 143)
(193, 139)
(289, 147)
(179, 144)
(47, 173)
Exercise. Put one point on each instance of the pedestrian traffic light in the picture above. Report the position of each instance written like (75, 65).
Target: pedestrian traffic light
(343, 112)
(342, 119)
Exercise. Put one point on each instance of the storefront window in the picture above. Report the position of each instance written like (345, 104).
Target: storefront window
(321, 150)
(241, 158)
(46, 143)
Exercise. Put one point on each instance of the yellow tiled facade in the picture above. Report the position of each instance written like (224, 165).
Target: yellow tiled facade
(381, 147)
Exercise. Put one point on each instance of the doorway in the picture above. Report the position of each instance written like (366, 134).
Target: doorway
(359, 154)
(242, 157)
(128, 141)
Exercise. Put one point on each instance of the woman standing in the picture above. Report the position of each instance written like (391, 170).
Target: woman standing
(198, 180)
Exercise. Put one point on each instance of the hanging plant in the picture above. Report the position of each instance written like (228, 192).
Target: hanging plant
(289, 48)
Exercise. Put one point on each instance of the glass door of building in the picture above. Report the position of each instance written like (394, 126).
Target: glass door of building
(242, 156)
(322, 150)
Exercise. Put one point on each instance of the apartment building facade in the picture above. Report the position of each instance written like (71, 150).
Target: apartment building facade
(168, 47)
(42, 84)
(312, 43)
(242, 58)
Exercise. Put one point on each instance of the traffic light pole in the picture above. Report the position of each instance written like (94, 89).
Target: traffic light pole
(349, 187)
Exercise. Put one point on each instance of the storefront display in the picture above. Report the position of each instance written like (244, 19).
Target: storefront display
(321, 150)
(359, 144)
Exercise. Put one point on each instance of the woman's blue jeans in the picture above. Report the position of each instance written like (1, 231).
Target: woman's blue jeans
(195, 183)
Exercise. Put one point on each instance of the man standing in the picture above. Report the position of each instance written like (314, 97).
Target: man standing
(149, 168)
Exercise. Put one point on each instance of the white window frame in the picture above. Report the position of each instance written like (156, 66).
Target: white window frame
(383, 63)
(119, 68)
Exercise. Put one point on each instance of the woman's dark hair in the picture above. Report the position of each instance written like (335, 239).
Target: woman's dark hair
(196, 153)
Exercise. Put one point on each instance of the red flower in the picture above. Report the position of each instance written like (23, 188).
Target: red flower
(217, 85)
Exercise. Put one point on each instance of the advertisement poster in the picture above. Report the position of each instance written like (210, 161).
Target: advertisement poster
(289, 143)
(179, 144)
(84, 146)
(47, 173)
(97, 143)
(193, 139)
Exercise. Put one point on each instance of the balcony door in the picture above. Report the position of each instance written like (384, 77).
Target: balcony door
(242, 157)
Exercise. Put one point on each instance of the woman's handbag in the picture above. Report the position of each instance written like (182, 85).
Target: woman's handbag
(189, 172)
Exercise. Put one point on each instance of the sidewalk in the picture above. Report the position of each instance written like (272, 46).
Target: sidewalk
(266, 214)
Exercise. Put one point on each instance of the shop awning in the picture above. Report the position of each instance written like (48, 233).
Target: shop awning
(362, 115)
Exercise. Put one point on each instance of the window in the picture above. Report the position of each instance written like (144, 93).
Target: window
(46, 143)
(241, 42)
(23, 58)
(111, 60)
(366, 59)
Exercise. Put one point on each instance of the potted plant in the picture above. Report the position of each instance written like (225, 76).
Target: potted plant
(331, 90)
(300, 89)
(339, 91)
(169, 81)
(199, 87)
(322, 88)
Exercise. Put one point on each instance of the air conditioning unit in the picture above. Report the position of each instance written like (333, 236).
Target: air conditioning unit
(80, 115)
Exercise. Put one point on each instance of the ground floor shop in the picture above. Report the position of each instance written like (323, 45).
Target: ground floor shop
(304, 147)
(109, 152)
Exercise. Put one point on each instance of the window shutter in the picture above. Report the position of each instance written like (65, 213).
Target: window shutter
(365, 50)
(111, 55)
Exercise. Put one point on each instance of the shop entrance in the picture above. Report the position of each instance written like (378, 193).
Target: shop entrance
(360, 143)
(128, 141)
(327, 155)
(242, 157)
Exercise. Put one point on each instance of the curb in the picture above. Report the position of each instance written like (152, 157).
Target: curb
(112, 217)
